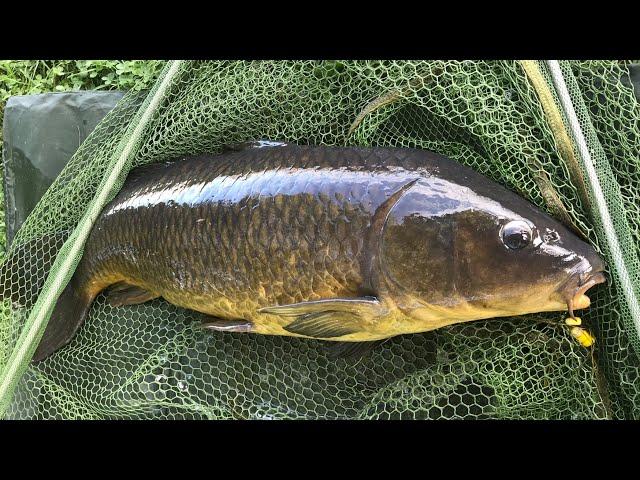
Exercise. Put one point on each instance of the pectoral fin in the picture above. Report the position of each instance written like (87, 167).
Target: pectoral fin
(369, 306)
(328, 324)
(329, 318)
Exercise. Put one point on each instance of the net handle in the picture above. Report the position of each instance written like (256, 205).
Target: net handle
(58, 278)
(596, 190)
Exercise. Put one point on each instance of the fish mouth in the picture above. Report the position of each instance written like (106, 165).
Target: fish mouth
(575, 296)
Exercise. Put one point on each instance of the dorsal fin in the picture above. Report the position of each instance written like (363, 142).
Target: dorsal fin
(144, 170)
(237, 147)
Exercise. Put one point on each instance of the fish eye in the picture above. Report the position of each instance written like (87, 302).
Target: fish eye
(516, 234)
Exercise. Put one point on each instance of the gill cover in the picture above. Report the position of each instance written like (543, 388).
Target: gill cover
(417, 241)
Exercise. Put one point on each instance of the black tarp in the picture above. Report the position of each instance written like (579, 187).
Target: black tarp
(634, 78)
(40, 134)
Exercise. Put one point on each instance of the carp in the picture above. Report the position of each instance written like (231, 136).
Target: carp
(343, 244)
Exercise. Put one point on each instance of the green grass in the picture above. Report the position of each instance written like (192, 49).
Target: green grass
(28, 77)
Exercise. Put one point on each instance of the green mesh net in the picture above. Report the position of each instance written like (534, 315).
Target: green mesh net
(154, 361)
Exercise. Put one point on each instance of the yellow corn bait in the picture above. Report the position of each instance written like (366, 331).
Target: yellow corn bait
(573, 322)
(583, 337)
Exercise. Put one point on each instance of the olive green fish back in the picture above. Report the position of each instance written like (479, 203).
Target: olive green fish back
(154, 361)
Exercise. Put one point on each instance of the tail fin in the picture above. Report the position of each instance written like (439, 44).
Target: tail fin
(22, 276)
(68, 314)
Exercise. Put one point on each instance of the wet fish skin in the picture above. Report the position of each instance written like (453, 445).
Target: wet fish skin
(265, 230)
(246, 234)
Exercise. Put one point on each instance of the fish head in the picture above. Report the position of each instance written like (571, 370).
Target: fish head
(466, 248)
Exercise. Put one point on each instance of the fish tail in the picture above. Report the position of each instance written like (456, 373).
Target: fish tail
(67, 317)
(22, 276)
